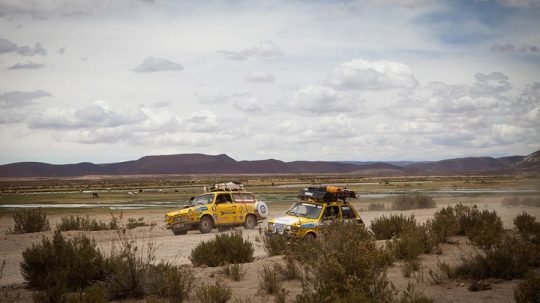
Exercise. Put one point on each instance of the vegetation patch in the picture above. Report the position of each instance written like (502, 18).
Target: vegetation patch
(31, 221)
(234, 271)
(354, 268)
(388, 227)
(528, 290)
(528, 227)
(274, 244)
(516, 201)
(213, 293)
(413, 201)
(229, 248)
(85, 223)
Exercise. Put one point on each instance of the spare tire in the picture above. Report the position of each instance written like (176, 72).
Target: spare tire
(262, 208)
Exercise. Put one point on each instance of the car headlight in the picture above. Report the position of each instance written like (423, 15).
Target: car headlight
(295, 228)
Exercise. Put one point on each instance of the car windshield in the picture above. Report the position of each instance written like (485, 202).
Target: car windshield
(306, 210)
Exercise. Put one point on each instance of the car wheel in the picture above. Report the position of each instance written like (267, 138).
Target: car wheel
(179, 232)
(251, 222)
(309, 237)
(205, 225)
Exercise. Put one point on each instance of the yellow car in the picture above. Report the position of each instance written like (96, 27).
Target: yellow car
(317, 206)
(219, 208)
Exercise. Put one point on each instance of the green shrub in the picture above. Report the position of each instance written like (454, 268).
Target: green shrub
(170, 282)
(413, 201)
(274, 244)
(528, 228)
(346, 266)
(59, 263)
(224, 249)
(83, 223)
(410, 266)
(234, 271)
(388, 227)
(528, 290)
(376, 207)
(31, 221)
(508, 259)
(444, 224)
(213, 293)
(408, 246)
(486, 228)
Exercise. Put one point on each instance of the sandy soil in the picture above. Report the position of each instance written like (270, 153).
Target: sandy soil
(176, 249)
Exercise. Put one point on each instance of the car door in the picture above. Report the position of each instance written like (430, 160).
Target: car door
(225, 209)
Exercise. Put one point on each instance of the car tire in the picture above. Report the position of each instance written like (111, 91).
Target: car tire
(179, 232)
(309, 237)
(251, 222)
(205, 225)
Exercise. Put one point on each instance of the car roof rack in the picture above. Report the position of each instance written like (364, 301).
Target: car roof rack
(228, 186)
(325, 193)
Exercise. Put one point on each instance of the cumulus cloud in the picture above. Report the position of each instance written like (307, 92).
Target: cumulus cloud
(319, 99)
(264, 50)
(13, 99)
(212, 98)
(27, 65)
(152, 64)
(260, 77)
(361, 74)
(99, 114)
(7, 47)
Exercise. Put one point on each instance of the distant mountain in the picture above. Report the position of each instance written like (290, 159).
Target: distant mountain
(529, 163)
(223, 164)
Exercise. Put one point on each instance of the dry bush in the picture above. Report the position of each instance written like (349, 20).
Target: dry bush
(224, 249)
(528, 290)
(388, 227)
(376, 207)
(31, 221)
(84, 223)
(213, 293)
(528, 228)
(134, 223)
(234, 271)
(410, 266)
(6, 296)
(93, 294)
(269, 282)
(58, 263)
(413, 201)
(290, 271)
(412, 242)
(516, 201)
(508, 259)
(353, 270)
(410, 295)
(274, 244)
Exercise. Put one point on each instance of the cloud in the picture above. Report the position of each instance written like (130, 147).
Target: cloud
(66, 8)
(248, 105)
(318, 99)
(260, 77)
(511, 48)
(14, 99)
(212, 98)
(7, 47)
(152, 64)
(264, 50)
(97, 115)
(361, 75)
(27, 65)
(160, 104)
(520, 3)
(61, 50)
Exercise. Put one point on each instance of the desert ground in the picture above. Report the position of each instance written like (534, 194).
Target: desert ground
(487, 192)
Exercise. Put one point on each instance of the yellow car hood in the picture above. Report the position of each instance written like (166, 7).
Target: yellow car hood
(292, 220)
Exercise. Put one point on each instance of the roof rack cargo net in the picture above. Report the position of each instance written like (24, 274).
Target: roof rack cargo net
(229, 186)
(325, 193)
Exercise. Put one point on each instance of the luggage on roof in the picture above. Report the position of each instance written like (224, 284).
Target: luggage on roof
(325, 193)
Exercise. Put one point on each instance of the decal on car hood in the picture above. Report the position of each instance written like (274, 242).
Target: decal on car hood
(285, 220)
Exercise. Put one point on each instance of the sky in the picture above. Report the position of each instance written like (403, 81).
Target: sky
(376, 80)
